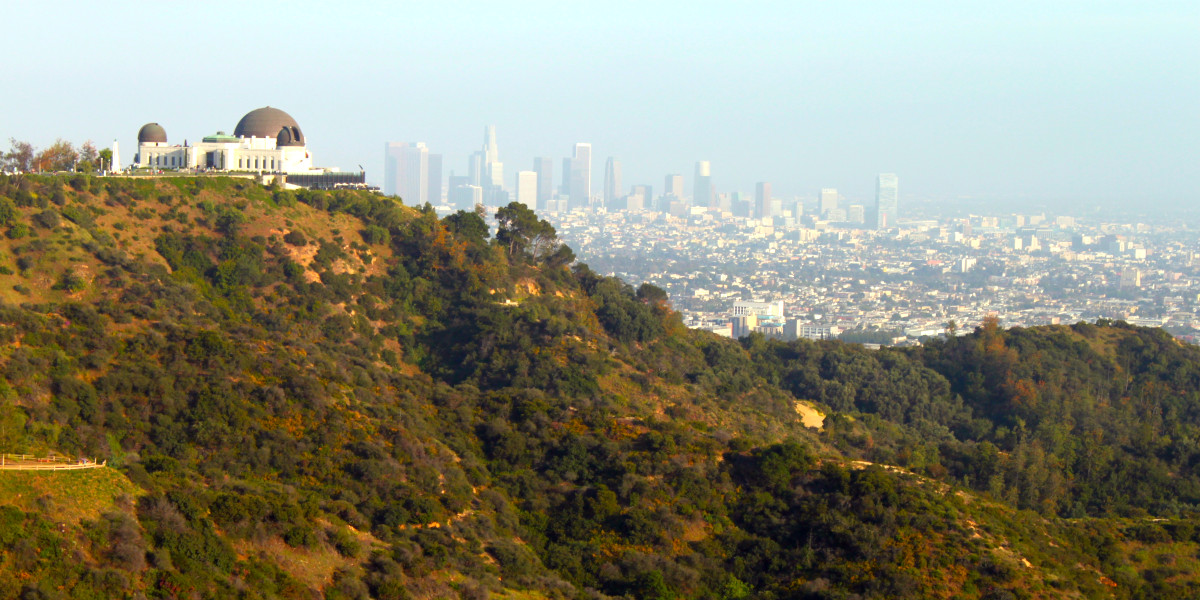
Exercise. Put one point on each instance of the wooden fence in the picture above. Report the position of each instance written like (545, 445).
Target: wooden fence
(28, 462)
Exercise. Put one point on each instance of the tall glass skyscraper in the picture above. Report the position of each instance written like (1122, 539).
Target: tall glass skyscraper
(493, 169)
(612, 181)
(581, 177)
(887, 192)
(762, 201)
(702, 192)
(544, 167)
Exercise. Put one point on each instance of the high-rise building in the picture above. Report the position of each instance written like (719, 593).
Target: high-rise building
(434, 179)
(612, 181)
(702, 192)
(855, 213)
(544, 167)
(475, 168)
(491, 152)
(634, 202)
(581, 177)
(406, 172)
(495, 175)
(527, 188)
(564, 190)
(461, 194)
(465, 196)
(673, 186)
(829, 200)
(413, 178)
(391, 167)
(762, 200)
(493, 169)
(887, 191)
(741, 206)
(646, 195)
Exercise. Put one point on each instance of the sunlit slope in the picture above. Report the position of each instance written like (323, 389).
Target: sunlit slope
(329, 393)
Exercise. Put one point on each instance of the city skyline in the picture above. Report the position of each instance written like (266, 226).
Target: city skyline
(486, 171)
(1025, 100)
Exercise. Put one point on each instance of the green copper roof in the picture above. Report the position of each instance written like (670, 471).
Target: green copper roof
(219, 136)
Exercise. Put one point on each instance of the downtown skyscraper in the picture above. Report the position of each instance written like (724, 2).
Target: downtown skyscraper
(544, 167)
(887, 202)
(412, 173)
(581, 177)
(828, 200)
(527, 188)
(612, 181)
(762, 201)
(702, 192)
(493, 169)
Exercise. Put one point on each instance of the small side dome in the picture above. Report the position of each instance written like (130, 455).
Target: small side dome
(289, 135)
(152, 132)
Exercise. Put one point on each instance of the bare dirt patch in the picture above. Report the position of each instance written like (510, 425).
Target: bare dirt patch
(809, 415)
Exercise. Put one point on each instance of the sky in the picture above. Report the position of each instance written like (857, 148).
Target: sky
(1050, 101)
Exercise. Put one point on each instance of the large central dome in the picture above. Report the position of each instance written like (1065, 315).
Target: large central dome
(266, 122)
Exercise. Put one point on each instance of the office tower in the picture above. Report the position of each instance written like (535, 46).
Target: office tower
(702, 192)
(887, 191)
(581, 177)
(723, 201)
(475, 168)
(564, 190)
(673, 186)
(633, 202)
(495, 175)
(458, 195)
(645, 193)
(544, 167)
(527, 188)
(406, 171)
(856, 213)
(762, 200)
(829, 200)
(740, 205)
(612, 181)
(490, 152)
(434, 179)
(413, 178)
(797, 208)
(493, 169)
(115, 165)
(391, 167)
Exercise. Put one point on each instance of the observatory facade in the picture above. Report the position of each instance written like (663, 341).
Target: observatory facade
(266, 140)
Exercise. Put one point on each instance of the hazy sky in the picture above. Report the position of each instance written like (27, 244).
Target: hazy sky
(1055, 100)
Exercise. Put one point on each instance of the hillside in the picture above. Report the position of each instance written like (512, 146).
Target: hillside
(330, 394)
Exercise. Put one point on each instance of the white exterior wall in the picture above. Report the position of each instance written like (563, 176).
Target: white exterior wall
(161, 156)
(247, 154)
(762, 309)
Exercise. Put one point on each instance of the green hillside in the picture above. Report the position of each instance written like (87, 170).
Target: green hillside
(330, 394)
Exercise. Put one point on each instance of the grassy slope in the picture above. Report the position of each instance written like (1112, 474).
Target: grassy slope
(69, 496)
